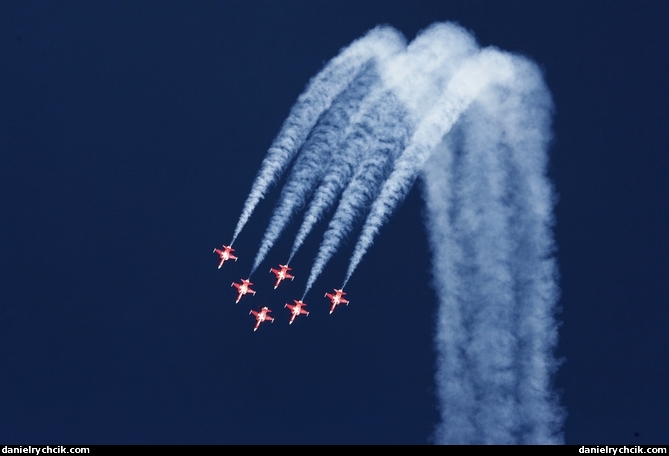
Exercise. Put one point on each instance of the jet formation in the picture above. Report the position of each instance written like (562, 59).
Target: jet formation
(296, 309)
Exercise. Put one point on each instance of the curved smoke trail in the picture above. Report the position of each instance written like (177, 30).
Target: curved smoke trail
(315, 156)
(474, 124)
(475, 74)
(386, 139)
(408, 80)
(355, 147)
(489, 216)
(317, 97)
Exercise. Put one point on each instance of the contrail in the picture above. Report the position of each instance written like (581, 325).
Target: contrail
(315, 156)
(317, 97)
(475, 125)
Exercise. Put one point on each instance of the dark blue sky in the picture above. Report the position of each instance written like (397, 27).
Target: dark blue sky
(130, 134)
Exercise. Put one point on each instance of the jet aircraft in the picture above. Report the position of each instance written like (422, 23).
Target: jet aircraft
(243, 288)
(336, 298)
(281, 274)
(296, 309)
(261, 316)
(225, 254)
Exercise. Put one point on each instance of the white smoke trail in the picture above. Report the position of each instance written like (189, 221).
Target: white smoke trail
(355, 147)
(412, 76)
(315, 156)
(489, 215)
(523, 113)
(475, 124)
(319, 94)
(475, 74)
(389, 135)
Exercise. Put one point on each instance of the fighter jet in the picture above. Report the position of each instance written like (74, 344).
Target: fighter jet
(336, 298)
(243, 288)
(225, 254)
(281, 274)
(261, 316)
(296, 309)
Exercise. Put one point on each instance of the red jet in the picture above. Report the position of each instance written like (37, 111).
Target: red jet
(296, 309)
(243, 288)
(282, 274)
(336, 298)
(261, 316)
(225, 254)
